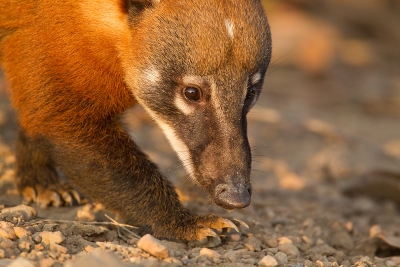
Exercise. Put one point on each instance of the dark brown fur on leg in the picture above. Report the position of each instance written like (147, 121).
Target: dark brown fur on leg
(36, 174)
(110, 167)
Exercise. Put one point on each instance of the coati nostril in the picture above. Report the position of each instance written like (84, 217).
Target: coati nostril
(229, 196)
(250, 190)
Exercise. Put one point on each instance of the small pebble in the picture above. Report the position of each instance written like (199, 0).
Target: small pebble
(253, 243)
(37, 238)
(58, 248)
(308, 263)
(6, 243)
(349, 226)
(85, 216)
(289, 249)
(281, 258)
(272, 250)
(268, 261)
(307, 240)
(375, 230)
(24, 246)
(231, 256)
(28, 212)
(249, 261)
(209, 253)
(271, 242)
(234, 237)
(20, 232)
(153, 246)
(52, 237)
(284, 240)
(319, 263)
(7, 232)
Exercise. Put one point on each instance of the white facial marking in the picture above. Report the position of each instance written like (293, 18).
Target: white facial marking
(230, 28)
(182, 105)
(152, 75)
(178, 145)
(256, 78)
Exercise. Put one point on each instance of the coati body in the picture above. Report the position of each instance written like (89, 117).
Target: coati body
(74, 68)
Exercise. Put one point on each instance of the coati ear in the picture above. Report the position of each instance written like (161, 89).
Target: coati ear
(135, 7)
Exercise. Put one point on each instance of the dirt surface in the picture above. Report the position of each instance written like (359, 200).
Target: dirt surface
(325, 136)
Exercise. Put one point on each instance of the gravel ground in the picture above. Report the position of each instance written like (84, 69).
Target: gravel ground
(326, 180)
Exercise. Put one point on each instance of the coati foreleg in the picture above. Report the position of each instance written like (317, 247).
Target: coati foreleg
(36, 175)
(107, 165)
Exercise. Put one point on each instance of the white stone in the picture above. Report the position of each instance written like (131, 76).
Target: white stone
(28, 212)
(153, 246)
(268, 261)
(209, 253)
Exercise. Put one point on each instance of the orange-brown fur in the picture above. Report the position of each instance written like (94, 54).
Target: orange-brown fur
(86, 65)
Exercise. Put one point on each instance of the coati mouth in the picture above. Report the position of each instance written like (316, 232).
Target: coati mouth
(232, 196)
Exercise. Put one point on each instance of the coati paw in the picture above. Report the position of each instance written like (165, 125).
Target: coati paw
(210, 229)
(56, 195)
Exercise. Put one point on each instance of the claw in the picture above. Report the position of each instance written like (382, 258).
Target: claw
(66, 196)
(76, 196)
(242, 223)
(47, 198)
(29, 194)
(207, 238)
(207, 232)
(55, 195)
(229, 224)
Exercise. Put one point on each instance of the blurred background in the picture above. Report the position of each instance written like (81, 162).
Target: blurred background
(330, 110)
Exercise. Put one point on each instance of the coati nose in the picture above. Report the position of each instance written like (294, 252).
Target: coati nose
(229, 196)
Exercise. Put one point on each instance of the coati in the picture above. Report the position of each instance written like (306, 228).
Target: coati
(73, 69)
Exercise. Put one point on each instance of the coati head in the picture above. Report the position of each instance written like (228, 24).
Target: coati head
(197, 67)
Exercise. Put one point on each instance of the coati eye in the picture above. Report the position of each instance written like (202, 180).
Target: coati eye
(192, 93)
(251, 93)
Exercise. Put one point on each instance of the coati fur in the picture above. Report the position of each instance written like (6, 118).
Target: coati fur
(75, 67)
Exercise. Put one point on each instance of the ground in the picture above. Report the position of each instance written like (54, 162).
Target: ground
(325, 138)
